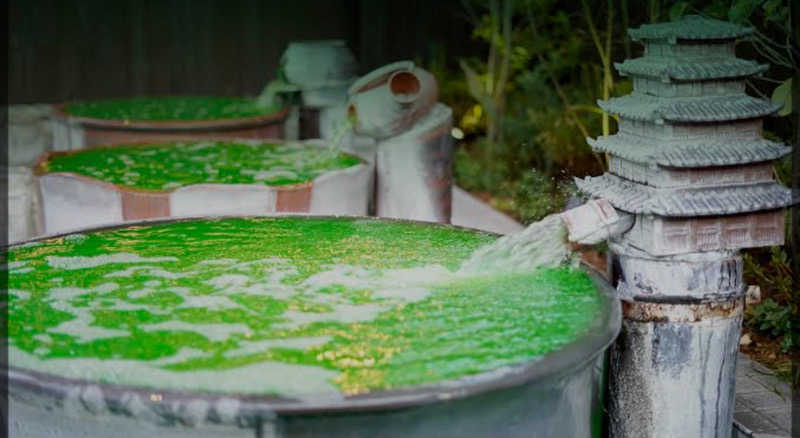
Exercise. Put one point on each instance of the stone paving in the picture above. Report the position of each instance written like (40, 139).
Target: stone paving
(763, 402)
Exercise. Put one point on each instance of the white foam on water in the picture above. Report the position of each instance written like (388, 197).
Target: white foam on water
(389, 288)
(266, 281)
(106, 287)
(148, 270)
(252, 347)
(127, 160)
(140, 293)
(14, 265)
(213, 332)
(222, 262)
(21, 270)
(200, 146)
(270, 175)
(352, 277)
(43, 337)
(184, 354)
(343, 313)
(83, 262)
(215, 302)
(63, 294)
(266, 288)
(81, 325)
(171, 185)
(81, 329)
(122, 305)
(430, 274)
(228, 280)
(77, 237)
(19, 293)
(262, 377)
(203, 158)
(407, 294)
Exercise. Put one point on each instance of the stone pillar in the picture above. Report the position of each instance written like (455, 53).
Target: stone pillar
(672, 368)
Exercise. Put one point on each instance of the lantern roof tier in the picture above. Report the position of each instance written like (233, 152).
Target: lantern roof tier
(670, 69)
(704, 152)
(690, 27)
(687, 202)
(644, 107)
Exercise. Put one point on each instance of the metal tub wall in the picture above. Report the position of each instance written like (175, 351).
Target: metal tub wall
(556, 395)
(71, 132)
(561, 406)
(69, 201)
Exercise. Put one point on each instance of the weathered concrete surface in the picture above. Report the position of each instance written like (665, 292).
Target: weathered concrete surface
(672, 376)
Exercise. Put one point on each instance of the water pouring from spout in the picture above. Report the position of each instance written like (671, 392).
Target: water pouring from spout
(550, 242)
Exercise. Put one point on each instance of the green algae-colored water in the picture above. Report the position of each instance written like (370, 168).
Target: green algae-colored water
(186, 108)
(288, 306)
(166, 166)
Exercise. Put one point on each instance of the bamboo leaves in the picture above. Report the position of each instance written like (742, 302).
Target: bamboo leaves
(783, 96)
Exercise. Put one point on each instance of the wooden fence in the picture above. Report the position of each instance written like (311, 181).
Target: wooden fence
(65, 50)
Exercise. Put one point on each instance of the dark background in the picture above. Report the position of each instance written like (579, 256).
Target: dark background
(94, 49)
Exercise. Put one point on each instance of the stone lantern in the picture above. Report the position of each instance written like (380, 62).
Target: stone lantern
(690, 163)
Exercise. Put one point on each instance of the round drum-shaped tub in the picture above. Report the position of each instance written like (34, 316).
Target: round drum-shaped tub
(82, 124)
(111, 184)
(298, 326)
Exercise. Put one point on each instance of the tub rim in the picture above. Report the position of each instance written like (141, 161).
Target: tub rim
(575, 355)
(59, 113)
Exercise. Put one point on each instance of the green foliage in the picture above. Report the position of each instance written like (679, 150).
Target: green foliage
(452, 86)
(783, 95)
(538, 195)
(530, 197)
(546, 109)
(473, 172)
(551, 136)
(556, 75)
(771, 269)
(772, 43)
(775, 320)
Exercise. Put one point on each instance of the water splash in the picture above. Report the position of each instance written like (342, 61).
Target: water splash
(541, 244)
(273, 94)
(340, 131)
